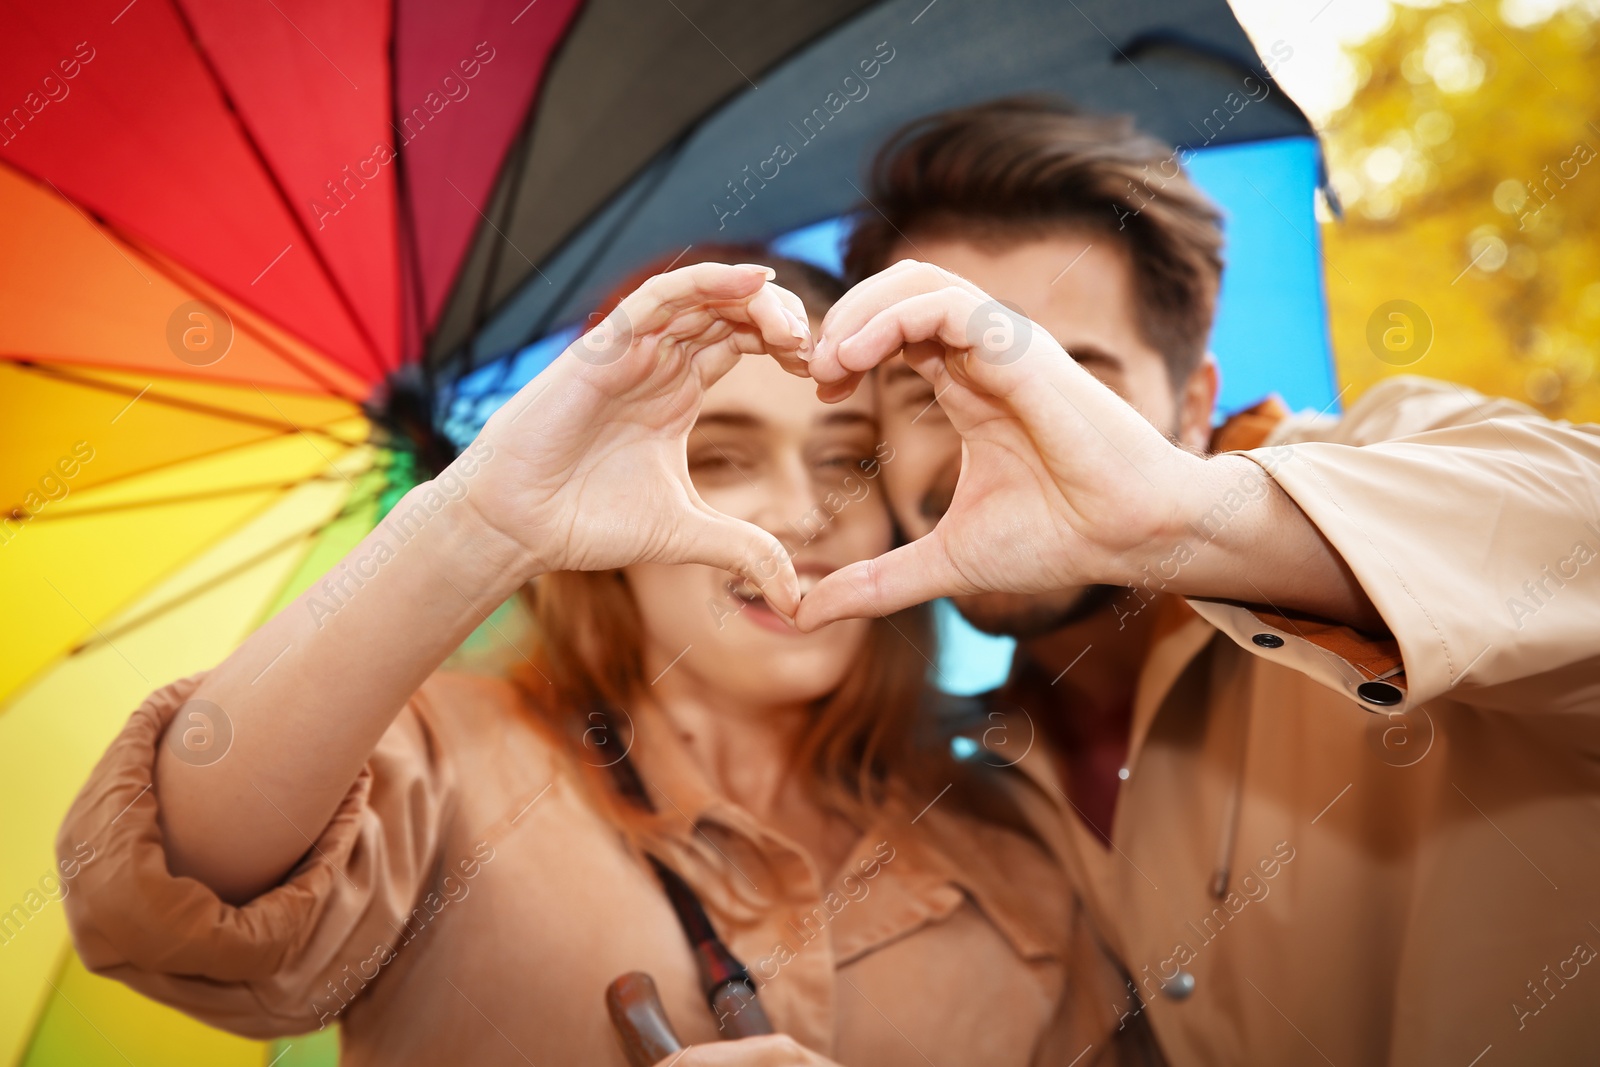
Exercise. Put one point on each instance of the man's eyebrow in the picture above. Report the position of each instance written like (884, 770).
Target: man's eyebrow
(849, 418)
(1088, 353)
(899, 369)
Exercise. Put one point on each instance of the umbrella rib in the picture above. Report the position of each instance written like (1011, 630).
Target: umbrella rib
(139, 248)
(667, 154)
(160, 263)
(180, 460)
(177, 498)
(669, 158)
(372, 352)
(406, 236)
(26, 683)
(519, 165)
(480, 313)
(464, 355)
(518, 148)
(232, 572)
(194, 406)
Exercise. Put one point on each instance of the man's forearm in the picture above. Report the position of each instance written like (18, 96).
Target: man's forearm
(1238, 536)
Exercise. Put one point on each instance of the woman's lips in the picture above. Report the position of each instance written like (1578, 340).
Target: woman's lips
(754, 607)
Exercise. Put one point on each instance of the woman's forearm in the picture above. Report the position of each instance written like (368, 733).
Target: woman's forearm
(309, 694)
(584, 469)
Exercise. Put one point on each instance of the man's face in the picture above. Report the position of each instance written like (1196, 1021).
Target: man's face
(1080, 289)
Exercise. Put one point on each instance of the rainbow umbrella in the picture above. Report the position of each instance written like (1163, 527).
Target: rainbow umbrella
(266, 264)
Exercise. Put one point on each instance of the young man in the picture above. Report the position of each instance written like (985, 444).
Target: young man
(1323, 697)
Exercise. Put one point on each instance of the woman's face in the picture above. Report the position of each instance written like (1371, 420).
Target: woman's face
(767, 451)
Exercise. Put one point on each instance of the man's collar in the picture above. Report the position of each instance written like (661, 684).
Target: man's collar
(1250, 427)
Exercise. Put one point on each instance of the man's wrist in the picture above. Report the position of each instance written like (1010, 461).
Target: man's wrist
(1231, 504)
(1226, 515)
(1245, 539)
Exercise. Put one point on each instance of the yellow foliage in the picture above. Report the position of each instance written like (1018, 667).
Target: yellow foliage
(1469, 166)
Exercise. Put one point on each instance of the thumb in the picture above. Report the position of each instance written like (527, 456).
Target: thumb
(747, 550)
(911, 574)
(768, 1050)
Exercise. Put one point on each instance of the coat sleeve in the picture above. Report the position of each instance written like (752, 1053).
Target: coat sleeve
(262, 969)
(1473, 524)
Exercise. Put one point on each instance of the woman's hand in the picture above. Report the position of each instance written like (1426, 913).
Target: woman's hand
(771, 1050)
(584, 469)
(588, 469)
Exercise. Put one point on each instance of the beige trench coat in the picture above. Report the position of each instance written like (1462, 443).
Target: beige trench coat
(467, 904)
(1305, 873)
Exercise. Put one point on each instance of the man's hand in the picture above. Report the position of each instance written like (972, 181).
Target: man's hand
(589, 469)
(1062, 483)
(772, 1050)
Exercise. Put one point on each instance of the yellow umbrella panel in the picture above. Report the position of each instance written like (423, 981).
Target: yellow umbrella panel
(53, 731)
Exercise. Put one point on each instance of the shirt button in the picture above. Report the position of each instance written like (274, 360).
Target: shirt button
(1268, 640)
(1382, 694)
(1180, 987)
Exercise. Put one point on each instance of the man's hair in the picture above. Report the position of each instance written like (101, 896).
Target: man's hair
(1030, 167)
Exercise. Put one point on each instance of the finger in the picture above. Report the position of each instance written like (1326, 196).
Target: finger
(771, 322)
(911, 574)
(833, 392)
(715, 539)
(724, 343)
(715, 337)
(781, 317)
(1008, 365)
(778, 326)
(944, 315)
(712, 343)
(866, 299)
(651, 308)
(924, 327)
(657, 301)
(745, 341)
(770, 1050)
(770, 312)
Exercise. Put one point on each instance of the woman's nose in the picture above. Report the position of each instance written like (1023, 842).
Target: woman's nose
(791, 509)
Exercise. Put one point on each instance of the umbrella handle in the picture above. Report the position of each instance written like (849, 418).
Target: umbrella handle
(738, 1011)
(640, 1019)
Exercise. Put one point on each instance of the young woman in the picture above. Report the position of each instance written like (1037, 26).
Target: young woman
(454, 868)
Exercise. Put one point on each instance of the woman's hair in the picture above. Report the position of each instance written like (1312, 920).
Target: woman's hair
(868, 737)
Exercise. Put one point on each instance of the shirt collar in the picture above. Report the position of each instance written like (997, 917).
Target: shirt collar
(936, 857)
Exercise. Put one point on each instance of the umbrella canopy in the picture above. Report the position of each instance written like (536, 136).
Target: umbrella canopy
(265, 264)
(788, 149)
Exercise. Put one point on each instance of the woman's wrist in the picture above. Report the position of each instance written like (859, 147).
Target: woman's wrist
(480, 561)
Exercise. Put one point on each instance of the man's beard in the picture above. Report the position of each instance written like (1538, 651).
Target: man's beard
(1024, 616)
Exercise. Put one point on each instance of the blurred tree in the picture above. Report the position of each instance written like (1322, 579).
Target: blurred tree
(1468, 164)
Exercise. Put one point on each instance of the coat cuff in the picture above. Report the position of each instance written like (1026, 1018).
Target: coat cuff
(132, 919)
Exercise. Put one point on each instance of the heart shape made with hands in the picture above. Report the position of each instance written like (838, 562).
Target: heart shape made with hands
(1043, 500)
